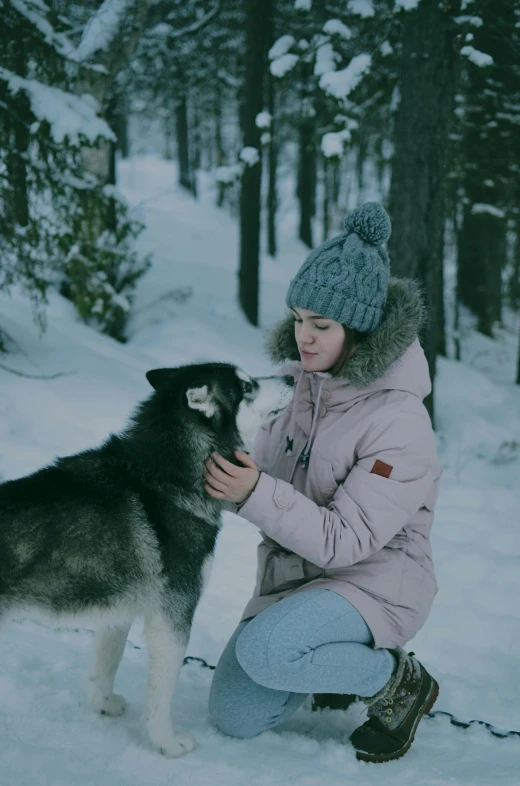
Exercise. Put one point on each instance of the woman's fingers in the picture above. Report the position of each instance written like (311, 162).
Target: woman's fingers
(246, 460)
(226, 465)
(215, 482)
(213, 492)
(216, 473)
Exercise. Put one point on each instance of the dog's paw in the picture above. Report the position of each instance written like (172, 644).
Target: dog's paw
(178, 745)
(112, 705)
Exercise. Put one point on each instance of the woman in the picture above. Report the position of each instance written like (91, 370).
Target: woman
(343, 486)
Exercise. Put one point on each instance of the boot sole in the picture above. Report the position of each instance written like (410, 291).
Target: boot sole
(381, 758)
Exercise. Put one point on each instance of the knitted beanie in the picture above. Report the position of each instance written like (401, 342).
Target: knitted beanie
(346, 278)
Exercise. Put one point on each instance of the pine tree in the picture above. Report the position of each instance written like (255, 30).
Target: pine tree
(488, 118)
(49, 205)
(258, 36)
(427, 80)
(182, 69)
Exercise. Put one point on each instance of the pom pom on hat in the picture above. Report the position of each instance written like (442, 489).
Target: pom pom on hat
(346, 278)
(371, 222)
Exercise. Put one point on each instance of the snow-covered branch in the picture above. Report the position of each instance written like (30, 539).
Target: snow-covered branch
(70, 117)
(105, 27)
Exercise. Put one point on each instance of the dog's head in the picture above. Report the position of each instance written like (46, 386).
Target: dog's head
(224, 397)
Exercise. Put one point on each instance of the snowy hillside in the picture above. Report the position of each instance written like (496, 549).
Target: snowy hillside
(48, 734)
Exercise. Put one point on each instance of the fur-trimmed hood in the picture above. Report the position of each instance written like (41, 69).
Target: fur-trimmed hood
(403, 317)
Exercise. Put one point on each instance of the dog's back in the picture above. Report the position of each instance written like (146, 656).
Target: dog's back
(74, 536)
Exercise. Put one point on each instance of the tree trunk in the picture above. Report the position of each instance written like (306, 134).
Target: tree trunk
(307, 179)
(195, 146)
(111, 118)
(116, 117)
(109, 59)
(121, 125)
(272, 196)
(427, 86)
(218, 142)
(481, 256)
(183, 153)
(518, 360)
(487, 147)
(17, 136)
(169, 136)
(18, 207)
(258, 15)
(329, 189)
(360, 166)
(306, 190)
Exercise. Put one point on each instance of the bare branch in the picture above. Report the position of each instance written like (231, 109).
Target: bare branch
(37, 376)
(196, 26)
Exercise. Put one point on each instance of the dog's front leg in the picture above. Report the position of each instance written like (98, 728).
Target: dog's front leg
(109, 645)
(166, 651)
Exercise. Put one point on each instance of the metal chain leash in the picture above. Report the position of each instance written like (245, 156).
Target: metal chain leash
(438, 713)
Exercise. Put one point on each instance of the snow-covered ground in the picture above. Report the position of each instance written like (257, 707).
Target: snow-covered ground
(49, 736)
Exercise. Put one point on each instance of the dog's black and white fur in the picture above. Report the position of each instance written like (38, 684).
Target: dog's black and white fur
(128, 530)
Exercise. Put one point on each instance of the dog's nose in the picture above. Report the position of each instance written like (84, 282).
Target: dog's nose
(288, 379)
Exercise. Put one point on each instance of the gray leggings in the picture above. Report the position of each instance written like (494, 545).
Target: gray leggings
(311, 642)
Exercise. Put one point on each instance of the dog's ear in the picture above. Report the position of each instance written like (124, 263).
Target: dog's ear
(159, 377)
(201, 399)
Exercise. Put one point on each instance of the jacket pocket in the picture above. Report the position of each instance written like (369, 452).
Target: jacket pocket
(412, 584)
(277, 570)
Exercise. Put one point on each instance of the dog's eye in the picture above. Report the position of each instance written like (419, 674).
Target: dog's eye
(248, 387)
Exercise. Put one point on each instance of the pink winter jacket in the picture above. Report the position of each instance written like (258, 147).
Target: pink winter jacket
(349, 479)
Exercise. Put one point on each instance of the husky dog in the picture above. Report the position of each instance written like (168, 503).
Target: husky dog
(127, 529)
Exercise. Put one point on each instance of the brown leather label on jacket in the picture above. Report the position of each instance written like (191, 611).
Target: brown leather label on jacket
(380, 468)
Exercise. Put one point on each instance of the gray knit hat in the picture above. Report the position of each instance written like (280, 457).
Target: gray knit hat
(346, 278)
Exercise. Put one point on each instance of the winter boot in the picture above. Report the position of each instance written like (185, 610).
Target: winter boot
(395, 711)
(332, 701)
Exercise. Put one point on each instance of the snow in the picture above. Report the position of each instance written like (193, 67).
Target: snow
(228, 174)
(386, 48)
(480, 59)
(480, 207)
(249, 155)
(476, 21)
(69, 116)
(283, 65)
(326, 59)
(333, 142)
(406, 5)
(341, 83)
(302, 5)
(363, 8)
(102, 28)
(36, 11)
(336, 27)
(185, 311)
(263, 119)
(280, 47)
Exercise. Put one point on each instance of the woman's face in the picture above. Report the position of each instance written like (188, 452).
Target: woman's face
(320, 341)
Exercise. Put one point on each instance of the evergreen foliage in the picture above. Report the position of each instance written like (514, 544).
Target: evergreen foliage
(48, 203)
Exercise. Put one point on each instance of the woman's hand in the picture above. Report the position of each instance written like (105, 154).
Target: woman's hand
(226, 481)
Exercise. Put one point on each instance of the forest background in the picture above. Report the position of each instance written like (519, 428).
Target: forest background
(419, 99)
(165, 167)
